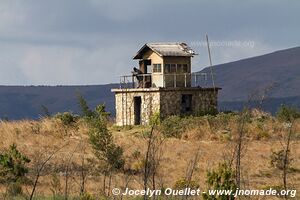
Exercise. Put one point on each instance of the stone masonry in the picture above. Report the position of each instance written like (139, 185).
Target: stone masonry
(165, 101)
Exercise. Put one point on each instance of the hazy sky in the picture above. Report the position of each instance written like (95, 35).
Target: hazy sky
(67, 42)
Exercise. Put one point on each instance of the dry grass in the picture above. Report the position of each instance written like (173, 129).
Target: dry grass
(213, 137)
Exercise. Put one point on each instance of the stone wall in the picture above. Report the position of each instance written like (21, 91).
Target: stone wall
(202, 100)
(125, 105)
(164, 100)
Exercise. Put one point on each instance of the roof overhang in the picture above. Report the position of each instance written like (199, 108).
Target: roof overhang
(166, 49)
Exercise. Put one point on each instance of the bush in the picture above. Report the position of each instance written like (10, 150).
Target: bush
(287, 113)
(13, 166)
(221, 179)
(67, 118)
(86, 196)
(209, 111)
(13, 170)
(155, 119)
(101, 138)
(183, 183)
(171, 127)
(262, 134)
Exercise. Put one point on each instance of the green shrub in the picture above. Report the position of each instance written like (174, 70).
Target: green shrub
(287, 113)
(100, 137)
(221, 178)
(171, 127)
(224, 119)
(13, 170)
(155, 119)
(13, 165)
(67, 118)
(183, 183)
(262, 135)
(86, 196)
(209, 111)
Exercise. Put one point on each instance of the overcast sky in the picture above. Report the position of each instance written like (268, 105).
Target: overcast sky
(68, 42)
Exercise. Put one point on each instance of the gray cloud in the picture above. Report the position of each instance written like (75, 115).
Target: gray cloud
(93, 41)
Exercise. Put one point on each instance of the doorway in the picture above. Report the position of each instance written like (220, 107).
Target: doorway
(186, 103)
(137, 110)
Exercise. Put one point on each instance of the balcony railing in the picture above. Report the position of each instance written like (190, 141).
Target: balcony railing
(163, 80)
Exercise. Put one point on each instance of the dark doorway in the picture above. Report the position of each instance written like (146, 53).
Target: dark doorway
(186, 103)
(137, 110)
(145, 66)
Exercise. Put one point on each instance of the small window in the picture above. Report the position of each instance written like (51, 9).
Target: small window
(173, 68)
(184, 68)
(156, 68)
(179, 68)
(167, 68)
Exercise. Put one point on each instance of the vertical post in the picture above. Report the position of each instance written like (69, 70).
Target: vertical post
(124, 81)
(174, 80)
(132, 81)
(210, 62)
(122, 109)
(185, 80)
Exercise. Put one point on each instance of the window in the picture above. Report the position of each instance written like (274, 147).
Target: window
(173, 68)
(184, 68)
(167, 68)
(179, 68)
(156, 68)
(176, 68)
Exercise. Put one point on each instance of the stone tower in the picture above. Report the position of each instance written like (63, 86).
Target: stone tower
(162, 84)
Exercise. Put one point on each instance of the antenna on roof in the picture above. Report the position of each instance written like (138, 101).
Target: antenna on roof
(210, 63)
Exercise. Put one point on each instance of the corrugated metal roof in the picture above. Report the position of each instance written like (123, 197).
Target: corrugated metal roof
(166, 49)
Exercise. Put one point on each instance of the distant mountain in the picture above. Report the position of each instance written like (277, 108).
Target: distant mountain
(242, 78)
(19, 102)
(278, 73)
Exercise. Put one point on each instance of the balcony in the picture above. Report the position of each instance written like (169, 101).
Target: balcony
(156, 80)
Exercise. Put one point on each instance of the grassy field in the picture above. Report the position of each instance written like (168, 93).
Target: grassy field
(212, 138)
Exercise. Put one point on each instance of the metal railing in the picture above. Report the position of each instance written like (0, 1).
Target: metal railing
(163, 80)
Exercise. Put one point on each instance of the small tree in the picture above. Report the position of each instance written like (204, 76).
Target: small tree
(105, 150)
(221, 179)
(281, 159)
(102, 140)
(287, 113)
(85, 110)
(13, 169)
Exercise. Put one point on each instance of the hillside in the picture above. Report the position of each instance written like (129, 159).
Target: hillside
(19, 102)
(241, 78)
